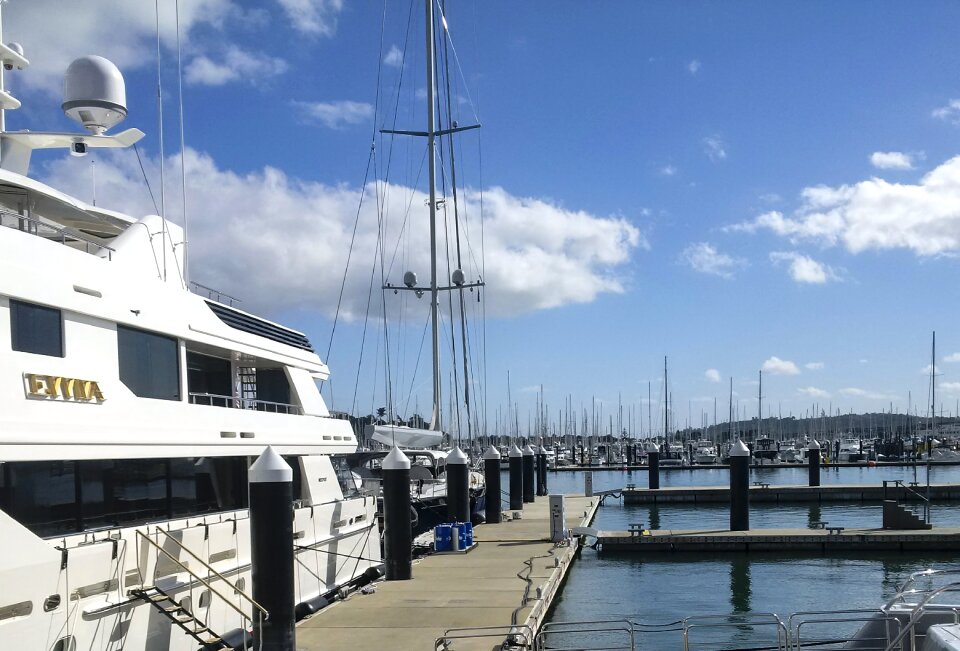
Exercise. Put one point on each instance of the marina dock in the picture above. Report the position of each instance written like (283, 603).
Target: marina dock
(761, 492)
(780, 540)
(508, 580)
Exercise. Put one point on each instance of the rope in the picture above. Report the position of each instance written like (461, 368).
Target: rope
(146, 180)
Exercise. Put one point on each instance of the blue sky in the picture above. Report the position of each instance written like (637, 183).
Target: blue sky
(737, 186)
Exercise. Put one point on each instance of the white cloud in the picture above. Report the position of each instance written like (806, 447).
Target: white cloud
(813, 392)
(891, 160)
(712, 374)
(950, 112)
(952, 388)
(869, 395)
(714, 148)
(314, 17)
(814, 366)
(54, 33)
(668, 170)
(953, 357)
(394, 57)
(538, 255)
(703, 257)
(694, 67)
(236, 65)
(336, 115)
(777, 366)
(864, 361)
(771, 197)
(876, 215)
(804, 269)
(926, 370)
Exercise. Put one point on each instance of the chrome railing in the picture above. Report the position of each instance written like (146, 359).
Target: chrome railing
(213, 294)
(746, 623)
(802, 627)
(234, 402)
(601, 635)
(35, 226)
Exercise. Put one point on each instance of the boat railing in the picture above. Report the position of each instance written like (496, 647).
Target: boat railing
(206, 582)
(600, 635)
(519, 636)
(924, 608)
(213, 294)
(803, 634)
(48, 231)
(235, 402)
(908, 490)
(745, 624)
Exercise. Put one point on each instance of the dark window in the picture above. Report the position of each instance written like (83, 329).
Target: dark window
(123, 492)
(207, 374)
(36, 329)
(149, 363)
(41, 495)
(191, 486)
(272, 386)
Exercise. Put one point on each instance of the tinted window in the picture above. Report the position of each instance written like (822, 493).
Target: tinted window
(122, 492)
(36, 329)
(42, 495)
(207, 374)
(149, 363)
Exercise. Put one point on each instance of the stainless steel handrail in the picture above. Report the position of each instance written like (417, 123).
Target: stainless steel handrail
(920, 609)
(244, 403)
(833, 617)
(737, 620)
(557, 629)
(63, 232)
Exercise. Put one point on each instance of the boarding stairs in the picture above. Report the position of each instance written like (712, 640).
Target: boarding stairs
(898, 513)
(184, 617)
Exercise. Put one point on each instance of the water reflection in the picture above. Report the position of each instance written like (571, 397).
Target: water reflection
(740, 590)
(654, 516)
(814, 515)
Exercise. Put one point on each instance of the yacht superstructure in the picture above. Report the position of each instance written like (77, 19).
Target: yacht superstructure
(130, 409)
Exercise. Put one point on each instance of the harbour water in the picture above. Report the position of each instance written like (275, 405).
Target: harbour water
(665, 589)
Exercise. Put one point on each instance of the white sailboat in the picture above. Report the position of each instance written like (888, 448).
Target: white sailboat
(130, 409)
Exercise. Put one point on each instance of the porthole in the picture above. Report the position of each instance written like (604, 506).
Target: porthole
(68, 643)
(51, 603)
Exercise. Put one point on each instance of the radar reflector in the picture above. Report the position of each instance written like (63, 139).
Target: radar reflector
(94, 94)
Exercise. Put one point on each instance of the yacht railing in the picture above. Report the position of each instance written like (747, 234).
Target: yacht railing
(40, 228)
(601, 635)
(235, 402)
(746, 622)
(213, 294)
(800, 625)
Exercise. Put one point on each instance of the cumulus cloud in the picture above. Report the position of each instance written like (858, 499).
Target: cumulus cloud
(953, 357)
(804, 269)
(714, 148)
(926, 370)
(950, 112)
(703, 257)
(813, 366)
(952, 388)
(712, 374)
(777, 366)
(891, 160)
(694, 67)
(394, 57)
(313, 17)
(668, 170)
(235, 65)
(56, 32)
(335, 115)
(813, 392)
(875, 215)
(538, 255)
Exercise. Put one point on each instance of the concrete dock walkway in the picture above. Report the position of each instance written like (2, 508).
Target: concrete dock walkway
(509, 578)
(777, 494)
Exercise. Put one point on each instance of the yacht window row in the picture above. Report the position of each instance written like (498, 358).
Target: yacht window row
(150, 364)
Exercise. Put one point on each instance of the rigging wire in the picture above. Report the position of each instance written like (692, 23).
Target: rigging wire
(183, 153)
(145, 179)
(163, 216)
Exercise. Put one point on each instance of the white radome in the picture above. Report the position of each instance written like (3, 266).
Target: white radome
(94, 94)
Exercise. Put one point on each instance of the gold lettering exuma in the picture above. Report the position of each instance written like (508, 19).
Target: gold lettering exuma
(64, 388)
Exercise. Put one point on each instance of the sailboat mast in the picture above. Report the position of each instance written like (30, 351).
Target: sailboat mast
(760, 408)
(666, 399)
(432, 179)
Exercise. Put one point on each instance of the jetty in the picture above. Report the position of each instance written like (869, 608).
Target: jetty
(502, 587)
(764, 492)
(837, 539)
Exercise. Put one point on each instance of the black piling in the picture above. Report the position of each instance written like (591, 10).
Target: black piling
(653, 469)
(813, 461)
(491, 476)
(516, 478)
(529, 493)
(271, 552)
(397, 530)
(458, 486)
(543, 470)
(739, 487)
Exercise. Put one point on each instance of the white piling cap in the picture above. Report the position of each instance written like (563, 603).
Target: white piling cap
(739, 449)
(491, 453)
(457, 457)
(527, 451)
(396, 460)
(515, 451)
(269, 468)
(814, 445)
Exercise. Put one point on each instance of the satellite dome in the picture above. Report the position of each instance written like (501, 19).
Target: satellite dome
(457, 277)
(410, 279)
(94, 94)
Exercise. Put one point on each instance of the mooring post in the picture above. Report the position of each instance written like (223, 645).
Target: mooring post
(458, 486)
(271, 551)
(653, 470)
(739, 487)
(813, 461)
(397, 530)
(516, 478)
(541, 471)
(491, 476)
(529, 494)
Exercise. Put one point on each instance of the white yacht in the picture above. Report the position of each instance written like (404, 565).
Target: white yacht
(130, 410)
(705, 453)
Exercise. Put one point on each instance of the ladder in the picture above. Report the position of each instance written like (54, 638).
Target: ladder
(180, 616)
